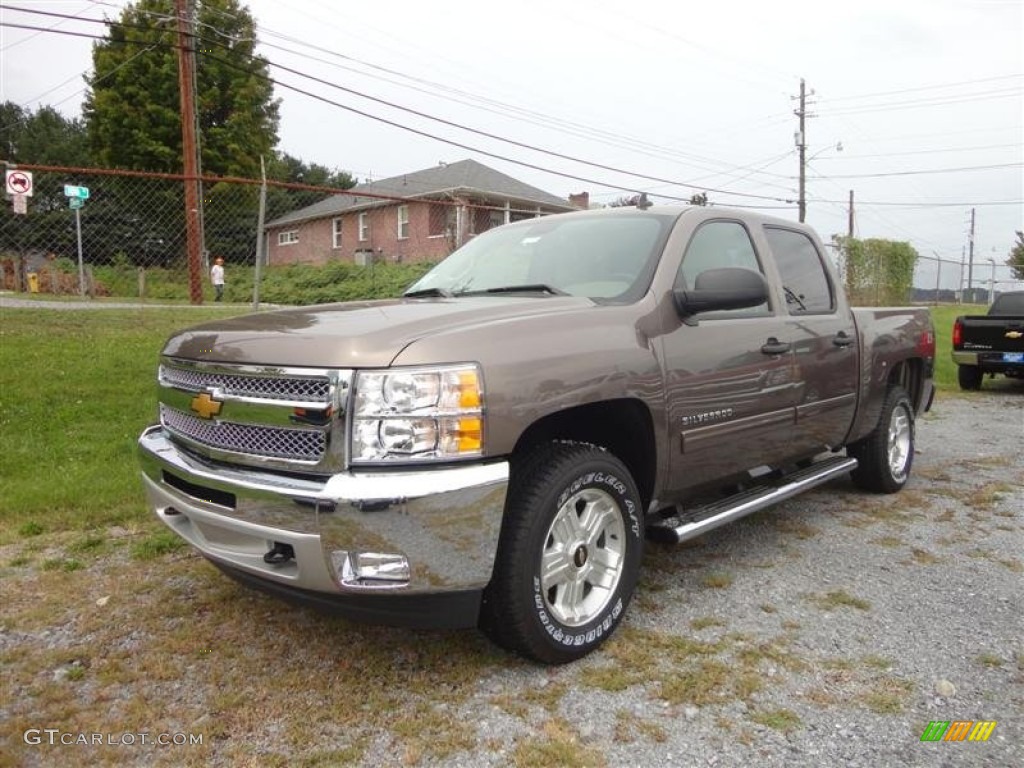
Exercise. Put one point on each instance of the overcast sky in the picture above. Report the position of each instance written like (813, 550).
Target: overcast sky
(925, 97)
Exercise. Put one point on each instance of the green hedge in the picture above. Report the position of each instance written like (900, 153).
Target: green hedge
(293, 284)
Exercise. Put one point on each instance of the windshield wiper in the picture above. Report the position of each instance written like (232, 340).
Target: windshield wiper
(530, 288)
(792, 298)
(425, 293)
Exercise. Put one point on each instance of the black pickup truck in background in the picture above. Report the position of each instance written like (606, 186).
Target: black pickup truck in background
(992, 343)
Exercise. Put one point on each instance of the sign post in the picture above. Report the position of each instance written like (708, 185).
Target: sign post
(76, 199)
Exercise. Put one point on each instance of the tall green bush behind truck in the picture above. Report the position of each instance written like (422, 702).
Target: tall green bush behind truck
(492, 448)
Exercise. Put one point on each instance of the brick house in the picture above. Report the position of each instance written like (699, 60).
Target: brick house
(413, 217)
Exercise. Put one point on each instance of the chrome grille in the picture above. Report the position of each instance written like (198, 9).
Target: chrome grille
(306, 445)
(272, 417)
(310, 388)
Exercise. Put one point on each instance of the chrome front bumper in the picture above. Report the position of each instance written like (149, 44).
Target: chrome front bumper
(355, 536)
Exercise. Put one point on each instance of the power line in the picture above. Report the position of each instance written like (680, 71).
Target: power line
(969, 204)
(659, 151)
(469, 129)
(1004, 93)
(918, 173)
(945, 150)
(1014, 76)
(493, 136)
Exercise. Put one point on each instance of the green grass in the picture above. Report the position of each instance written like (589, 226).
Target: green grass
(943, 317)
(76, 388)
(780, 719)
(157, 544)
(840, 598)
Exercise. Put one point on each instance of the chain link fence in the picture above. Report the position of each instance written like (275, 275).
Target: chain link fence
(127, 238)
(128, 232)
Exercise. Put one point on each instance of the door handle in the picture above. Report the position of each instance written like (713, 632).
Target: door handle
(775, 347)
(842, 339)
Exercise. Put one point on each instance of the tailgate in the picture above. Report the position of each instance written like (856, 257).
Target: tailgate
(997, 334)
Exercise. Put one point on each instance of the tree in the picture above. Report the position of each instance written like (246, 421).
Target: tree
(1016, 260)
(132, 111)
(44, 137)
(132, 107)
(292, 169)
(878, 272)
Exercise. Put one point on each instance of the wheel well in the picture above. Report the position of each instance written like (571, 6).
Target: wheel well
(908, 374)
(624, 427)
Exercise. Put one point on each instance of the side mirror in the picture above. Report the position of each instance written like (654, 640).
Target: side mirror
(719, 289)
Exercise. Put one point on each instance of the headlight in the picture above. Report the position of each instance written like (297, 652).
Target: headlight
(417, 414)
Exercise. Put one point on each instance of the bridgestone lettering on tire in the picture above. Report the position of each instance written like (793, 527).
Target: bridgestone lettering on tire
(887, 454)
(569, 556)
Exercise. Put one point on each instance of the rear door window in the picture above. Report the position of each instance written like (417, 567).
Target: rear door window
(804, 279)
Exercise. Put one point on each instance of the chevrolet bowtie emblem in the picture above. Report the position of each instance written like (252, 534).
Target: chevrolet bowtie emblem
(1014, 334)
(206, 406)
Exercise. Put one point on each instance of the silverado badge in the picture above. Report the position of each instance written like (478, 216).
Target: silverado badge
(205, 406)
(1014, 334)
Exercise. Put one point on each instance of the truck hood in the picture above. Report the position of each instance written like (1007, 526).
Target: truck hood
(352, 335)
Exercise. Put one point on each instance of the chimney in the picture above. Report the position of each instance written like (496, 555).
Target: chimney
(581, 200)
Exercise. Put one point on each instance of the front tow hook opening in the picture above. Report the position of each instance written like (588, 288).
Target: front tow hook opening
(279, 554)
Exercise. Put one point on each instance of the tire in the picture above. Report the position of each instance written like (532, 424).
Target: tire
(970, 377)
(887, 454)
(569, 555)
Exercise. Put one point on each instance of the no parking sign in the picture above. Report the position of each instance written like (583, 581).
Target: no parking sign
(19, 182)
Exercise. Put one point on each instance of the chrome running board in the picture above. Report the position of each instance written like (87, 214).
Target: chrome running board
(699, 520)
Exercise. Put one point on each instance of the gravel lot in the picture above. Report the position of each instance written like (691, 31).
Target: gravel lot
(829, 630)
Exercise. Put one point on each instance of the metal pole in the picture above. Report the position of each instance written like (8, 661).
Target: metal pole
(970, 263)
(849, 223)
(81, 263)
(960, 285)
(259, 237)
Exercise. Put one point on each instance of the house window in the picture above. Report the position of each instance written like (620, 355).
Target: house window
(336, 233)
(403, 222)
(442, 220)
(364, 228)
(288, 238)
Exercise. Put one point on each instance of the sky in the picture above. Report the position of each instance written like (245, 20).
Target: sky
(915, 106)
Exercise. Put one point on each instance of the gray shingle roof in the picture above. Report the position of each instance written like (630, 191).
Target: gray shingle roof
(463, 177)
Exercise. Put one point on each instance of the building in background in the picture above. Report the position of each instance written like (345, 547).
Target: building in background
(420, 216)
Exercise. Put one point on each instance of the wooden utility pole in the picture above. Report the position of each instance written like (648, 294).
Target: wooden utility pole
(186, 82)
(801, 143)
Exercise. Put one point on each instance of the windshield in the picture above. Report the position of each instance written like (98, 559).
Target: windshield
(599, 257)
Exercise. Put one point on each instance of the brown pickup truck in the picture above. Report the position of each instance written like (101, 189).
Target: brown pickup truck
(491, 449)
